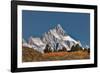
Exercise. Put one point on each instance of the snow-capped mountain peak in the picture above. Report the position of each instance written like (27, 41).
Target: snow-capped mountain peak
(59, 29)
(55, 38)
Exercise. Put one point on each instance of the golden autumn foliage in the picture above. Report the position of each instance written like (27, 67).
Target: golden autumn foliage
(30, 55)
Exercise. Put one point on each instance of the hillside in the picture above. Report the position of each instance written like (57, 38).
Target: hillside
(30, 55)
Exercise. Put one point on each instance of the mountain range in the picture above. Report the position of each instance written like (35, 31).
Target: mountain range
(55, 39)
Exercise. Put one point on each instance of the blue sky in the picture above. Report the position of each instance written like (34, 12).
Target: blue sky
(77, 25)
